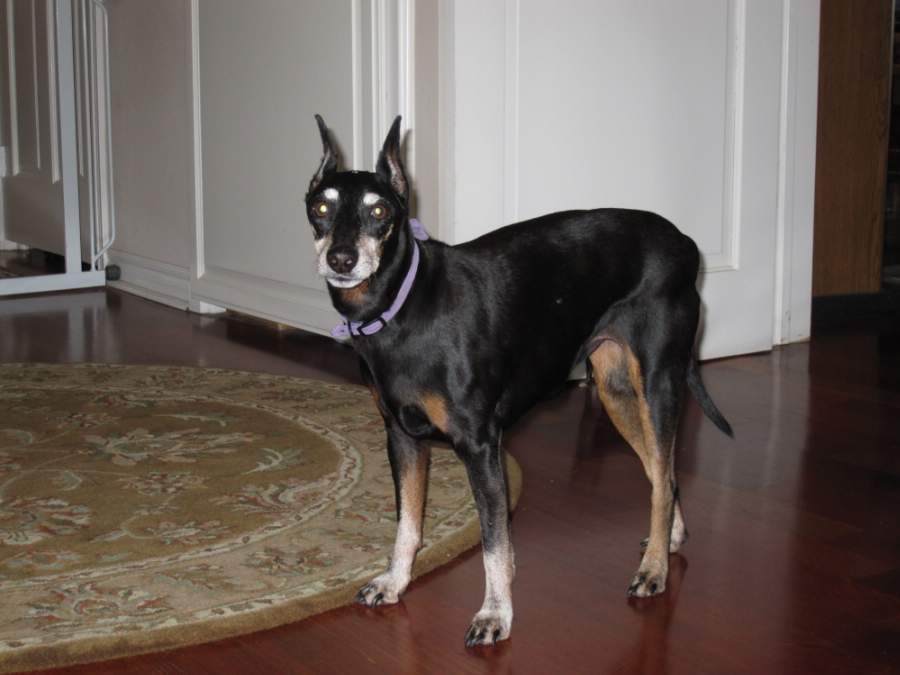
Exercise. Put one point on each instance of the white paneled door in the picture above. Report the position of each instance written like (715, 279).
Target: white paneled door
(673, 107)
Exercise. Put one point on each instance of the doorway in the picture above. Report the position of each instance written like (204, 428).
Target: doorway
(856, 248)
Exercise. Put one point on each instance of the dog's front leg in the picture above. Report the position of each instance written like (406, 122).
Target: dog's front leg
(409, 466)
(484, 465)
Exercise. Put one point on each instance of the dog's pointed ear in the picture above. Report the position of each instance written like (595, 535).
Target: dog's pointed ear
(329, 156)
(390, 166)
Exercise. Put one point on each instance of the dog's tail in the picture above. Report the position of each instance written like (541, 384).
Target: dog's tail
(695, 384)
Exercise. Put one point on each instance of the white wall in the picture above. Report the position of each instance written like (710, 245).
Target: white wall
(263, 71)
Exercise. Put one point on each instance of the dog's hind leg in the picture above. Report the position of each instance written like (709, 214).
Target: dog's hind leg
(650, 432)
(409, 466)
(484, 464)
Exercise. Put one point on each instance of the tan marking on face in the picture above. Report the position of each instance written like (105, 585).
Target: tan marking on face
(435, 407)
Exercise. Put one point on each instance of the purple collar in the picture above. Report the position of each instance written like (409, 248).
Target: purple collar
(347, 328)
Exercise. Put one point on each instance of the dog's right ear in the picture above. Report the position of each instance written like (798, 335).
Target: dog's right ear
(390, 166)
(329, 156)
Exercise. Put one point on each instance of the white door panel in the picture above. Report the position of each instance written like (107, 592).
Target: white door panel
(264, 70)
(669, 107)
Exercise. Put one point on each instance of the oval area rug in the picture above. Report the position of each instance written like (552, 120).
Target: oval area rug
(145, 508)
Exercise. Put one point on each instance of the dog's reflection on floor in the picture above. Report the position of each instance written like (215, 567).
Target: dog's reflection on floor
(649, 652)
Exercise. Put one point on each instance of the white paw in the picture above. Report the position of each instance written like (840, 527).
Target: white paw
(382, 590)
(489, 627)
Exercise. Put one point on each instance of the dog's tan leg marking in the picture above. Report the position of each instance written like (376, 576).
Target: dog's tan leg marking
(620, 385)
(435, 407)
(386, 588)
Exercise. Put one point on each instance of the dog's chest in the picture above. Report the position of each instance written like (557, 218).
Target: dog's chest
(420, 406)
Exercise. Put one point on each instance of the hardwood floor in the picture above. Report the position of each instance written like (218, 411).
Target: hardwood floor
(793, 565)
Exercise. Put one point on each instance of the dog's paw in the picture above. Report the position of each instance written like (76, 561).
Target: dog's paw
(647, 583)
(382, 590)
(488, 627)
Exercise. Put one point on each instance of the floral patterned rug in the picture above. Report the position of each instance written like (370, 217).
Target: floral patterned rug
(144, 508)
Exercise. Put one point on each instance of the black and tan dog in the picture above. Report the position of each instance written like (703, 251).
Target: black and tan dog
(457, 342)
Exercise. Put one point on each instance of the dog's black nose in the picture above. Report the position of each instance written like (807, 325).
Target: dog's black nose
(342, 259)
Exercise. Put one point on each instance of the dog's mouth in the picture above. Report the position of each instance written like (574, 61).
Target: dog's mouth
(343, 280)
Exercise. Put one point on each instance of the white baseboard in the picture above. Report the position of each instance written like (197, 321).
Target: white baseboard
(158, 281)
(218, 289)
(288, 304)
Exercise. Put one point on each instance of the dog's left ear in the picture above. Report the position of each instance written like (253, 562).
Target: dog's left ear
(329, 162)
(389, 166)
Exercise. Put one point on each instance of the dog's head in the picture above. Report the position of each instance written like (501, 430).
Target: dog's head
(356, 215)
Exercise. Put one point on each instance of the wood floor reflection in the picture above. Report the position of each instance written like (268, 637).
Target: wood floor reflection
(793, 563)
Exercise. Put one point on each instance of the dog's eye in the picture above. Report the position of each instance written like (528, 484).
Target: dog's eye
(379, 212)
(321, 208)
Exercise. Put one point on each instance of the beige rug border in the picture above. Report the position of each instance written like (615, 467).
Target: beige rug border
(92, 650)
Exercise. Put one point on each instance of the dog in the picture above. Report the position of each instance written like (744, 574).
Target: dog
(457, 342)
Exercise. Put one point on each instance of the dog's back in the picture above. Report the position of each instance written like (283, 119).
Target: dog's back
(535, 292)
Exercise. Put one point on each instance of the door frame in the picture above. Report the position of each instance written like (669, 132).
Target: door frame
(797, 171)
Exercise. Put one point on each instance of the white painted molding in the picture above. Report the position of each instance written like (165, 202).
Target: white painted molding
(289, 304)
(796, 176)
(446, 122)
(11, 84)
(200, 307)
(383, 47)
(357, 81)
(53, 95)
(511, 113)
(197, 240)
(727, 258)
(152, 279)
